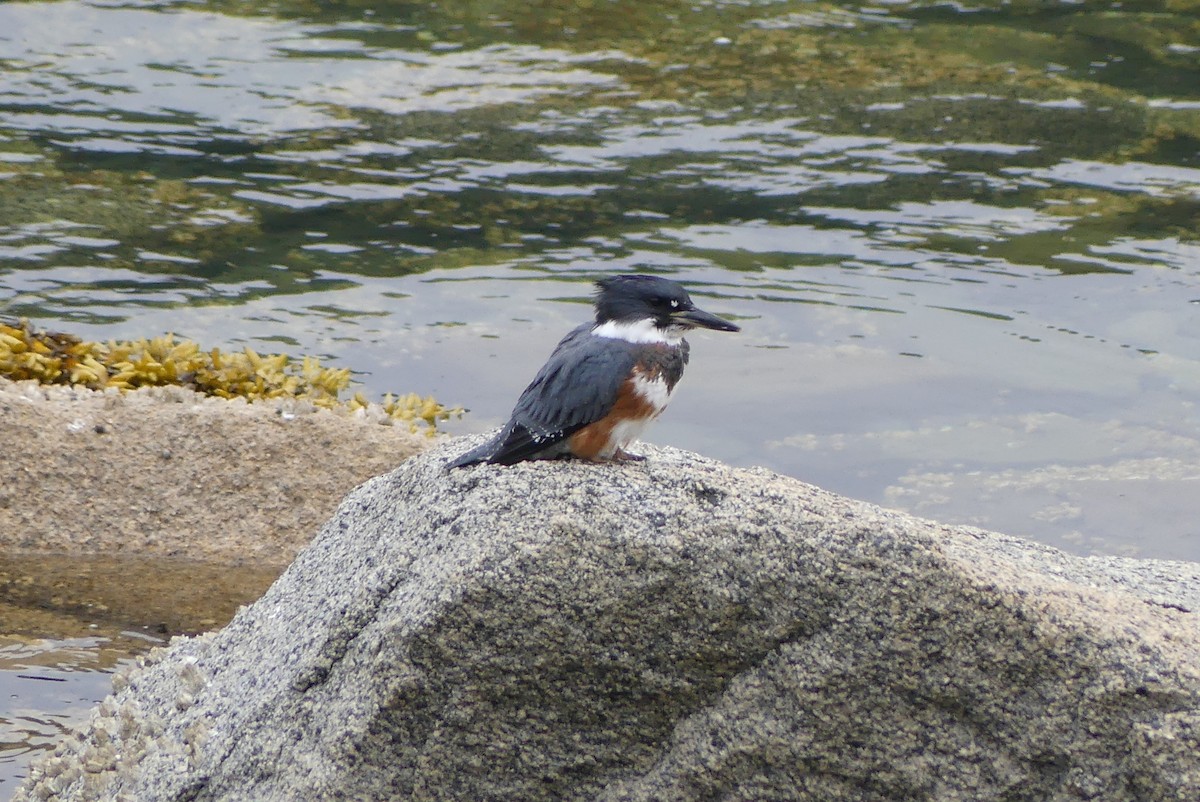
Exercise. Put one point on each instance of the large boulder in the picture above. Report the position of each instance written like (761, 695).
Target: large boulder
(667, 630)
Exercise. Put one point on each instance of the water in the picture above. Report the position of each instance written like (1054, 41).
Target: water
(962, 243)
(961, 240)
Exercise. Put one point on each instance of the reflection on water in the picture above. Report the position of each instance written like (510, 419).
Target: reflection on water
(137, 79)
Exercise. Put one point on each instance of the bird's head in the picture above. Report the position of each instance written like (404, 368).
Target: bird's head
(658, 305)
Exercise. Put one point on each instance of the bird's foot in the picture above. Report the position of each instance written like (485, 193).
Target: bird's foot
(621, 455)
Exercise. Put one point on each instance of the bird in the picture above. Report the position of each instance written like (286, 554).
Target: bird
(606, 380)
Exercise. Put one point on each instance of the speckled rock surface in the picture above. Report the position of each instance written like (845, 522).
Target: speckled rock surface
(169, 472)
(670, 630)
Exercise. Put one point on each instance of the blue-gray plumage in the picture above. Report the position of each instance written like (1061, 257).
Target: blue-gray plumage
(605, 380)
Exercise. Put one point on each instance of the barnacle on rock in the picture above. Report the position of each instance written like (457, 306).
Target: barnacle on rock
(56, 358)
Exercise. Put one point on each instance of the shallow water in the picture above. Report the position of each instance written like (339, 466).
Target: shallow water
(68, 624)
(961, 240)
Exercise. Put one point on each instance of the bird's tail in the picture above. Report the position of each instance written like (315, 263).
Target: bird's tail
(476, 455)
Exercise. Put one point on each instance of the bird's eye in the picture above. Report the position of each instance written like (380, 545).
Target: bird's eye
(674, 304)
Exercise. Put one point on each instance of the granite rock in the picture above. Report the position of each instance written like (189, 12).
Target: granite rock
(669, 630)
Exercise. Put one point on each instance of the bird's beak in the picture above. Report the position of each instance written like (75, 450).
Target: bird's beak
(691, 318)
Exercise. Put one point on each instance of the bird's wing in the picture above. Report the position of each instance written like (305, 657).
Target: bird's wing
(578, 385)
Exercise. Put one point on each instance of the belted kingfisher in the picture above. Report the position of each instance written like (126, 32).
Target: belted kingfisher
(606, 380)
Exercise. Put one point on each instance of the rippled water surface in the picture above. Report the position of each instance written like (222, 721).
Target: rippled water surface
(962, 241)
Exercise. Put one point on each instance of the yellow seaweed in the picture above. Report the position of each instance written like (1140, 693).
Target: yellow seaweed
(57, 358)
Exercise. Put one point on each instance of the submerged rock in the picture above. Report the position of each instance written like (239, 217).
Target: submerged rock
(674, 629)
